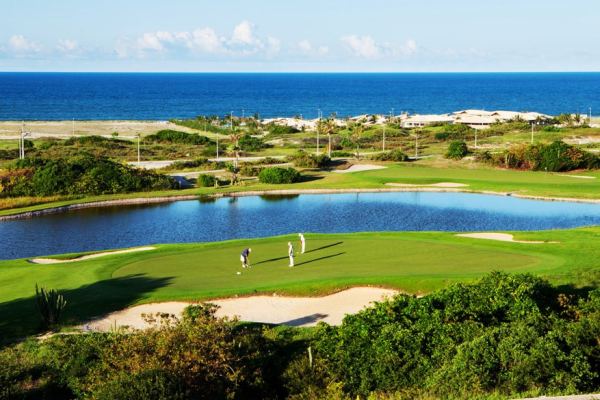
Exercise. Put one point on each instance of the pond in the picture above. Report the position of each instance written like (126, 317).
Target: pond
(259, 216)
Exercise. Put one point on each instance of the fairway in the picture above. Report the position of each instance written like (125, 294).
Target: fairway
(415, 262)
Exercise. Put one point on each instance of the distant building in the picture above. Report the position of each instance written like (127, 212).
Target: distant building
(417, 121)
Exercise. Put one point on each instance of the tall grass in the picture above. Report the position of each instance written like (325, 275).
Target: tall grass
(18, 202)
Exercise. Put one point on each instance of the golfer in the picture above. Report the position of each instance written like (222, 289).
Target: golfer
(245, 256)
(302, 243)
(291, 253)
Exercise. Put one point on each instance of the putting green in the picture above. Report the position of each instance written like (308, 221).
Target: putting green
(416, 262)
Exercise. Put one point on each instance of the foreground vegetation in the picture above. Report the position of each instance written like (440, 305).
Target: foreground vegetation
(502, 337)
(412, 262)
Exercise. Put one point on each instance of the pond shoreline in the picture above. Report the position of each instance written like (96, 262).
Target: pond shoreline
(280, 192)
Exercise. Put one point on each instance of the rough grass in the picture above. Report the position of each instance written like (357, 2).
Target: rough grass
(413, 262)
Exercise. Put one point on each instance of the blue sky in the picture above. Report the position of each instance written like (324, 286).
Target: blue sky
(281, 36)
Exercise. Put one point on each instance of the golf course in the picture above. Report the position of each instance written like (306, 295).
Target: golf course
(412, 262)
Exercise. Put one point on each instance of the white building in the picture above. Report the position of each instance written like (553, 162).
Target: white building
(417, 120)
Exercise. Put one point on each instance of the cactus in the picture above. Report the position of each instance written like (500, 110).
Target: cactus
(51, 305)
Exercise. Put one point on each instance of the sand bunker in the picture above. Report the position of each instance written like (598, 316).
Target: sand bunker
(360, 167)
(503, 237)
(89, 256)
(433, 185)
(578, 176)
(293, 311)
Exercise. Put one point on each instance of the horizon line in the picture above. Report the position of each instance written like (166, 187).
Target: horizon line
(301, 72)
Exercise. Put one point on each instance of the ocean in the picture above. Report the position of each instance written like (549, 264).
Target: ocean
(163, 96)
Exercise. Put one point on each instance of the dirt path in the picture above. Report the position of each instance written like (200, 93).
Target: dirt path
(89, 256)
(293, 311)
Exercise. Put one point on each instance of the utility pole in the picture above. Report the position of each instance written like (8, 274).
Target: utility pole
(21, 146)
(532, 125)
(416, 145)
(318, 128)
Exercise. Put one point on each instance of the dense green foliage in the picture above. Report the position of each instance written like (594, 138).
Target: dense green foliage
(556, 156)
(457, 150)
(171, 136)
(303, 159)
(198, 163)
(277, 130)
(251, 143)
(206, 180)
(504, 336)
(507, 334)
(84, 174)
(392, 155)
(454, 132)
(278, 175)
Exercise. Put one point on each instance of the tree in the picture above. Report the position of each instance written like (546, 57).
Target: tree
(357, 130)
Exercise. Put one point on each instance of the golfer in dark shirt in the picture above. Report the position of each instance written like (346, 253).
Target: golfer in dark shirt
(244, 257)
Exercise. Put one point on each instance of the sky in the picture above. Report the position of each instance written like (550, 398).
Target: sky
(299, 36)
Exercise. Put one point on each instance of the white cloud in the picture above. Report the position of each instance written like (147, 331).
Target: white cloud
(362, 46)
(20, 44)
(367, 47)
(67, 46)
(243, 41)
(243, 33)
(305, 46)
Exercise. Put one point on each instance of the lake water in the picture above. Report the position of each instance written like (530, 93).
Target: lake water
(153, 96)
(246, 217)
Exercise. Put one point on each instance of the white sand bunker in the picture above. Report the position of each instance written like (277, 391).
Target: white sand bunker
(89, 256)
(433, 185)
(360, 167)
(503, 237)
(293, 311)
(577, 176)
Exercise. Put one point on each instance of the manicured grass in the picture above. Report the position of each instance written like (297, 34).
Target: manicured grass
(413, 262)
(478, 178)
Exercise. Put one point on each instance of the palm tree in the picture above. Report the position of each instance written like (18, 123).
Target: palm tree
(357, 130)
(329, 128)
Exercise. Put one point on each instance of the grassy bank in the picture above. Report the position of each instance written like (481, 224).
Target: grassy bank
(412, 262)
(475, 177)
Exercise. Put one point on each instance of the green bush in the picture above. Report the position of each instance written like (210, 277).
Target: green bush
(341, 153)
(250, 170)
(277, 130)
(277, 175)
(251, 143)
(83, 174)
(457, 150)
(51, 305)
(303, 159)
(206, 180)
(172, 136)
(555, 157)
(392, 155)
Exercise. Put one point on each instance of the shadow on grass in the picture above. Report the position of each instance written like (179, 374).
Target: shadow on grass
(306, 252)
(319, 259)
(20, 317)
(305, 320)
(323, 247)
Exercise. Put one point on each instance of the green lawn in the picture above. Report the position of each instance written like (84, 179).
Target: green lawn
(477, 178)
(413, 262)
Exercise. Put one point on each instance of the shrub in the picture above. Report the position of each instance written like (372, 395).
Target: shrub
(51, 304)
(277, 175)
(83, 174)
(251, 143)
(303, 159)
(172, 136)
(557, 156)
(276, 130)
(206, 180)
(392, 155)
(457, 150)
(250, 170)
(341, 153)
